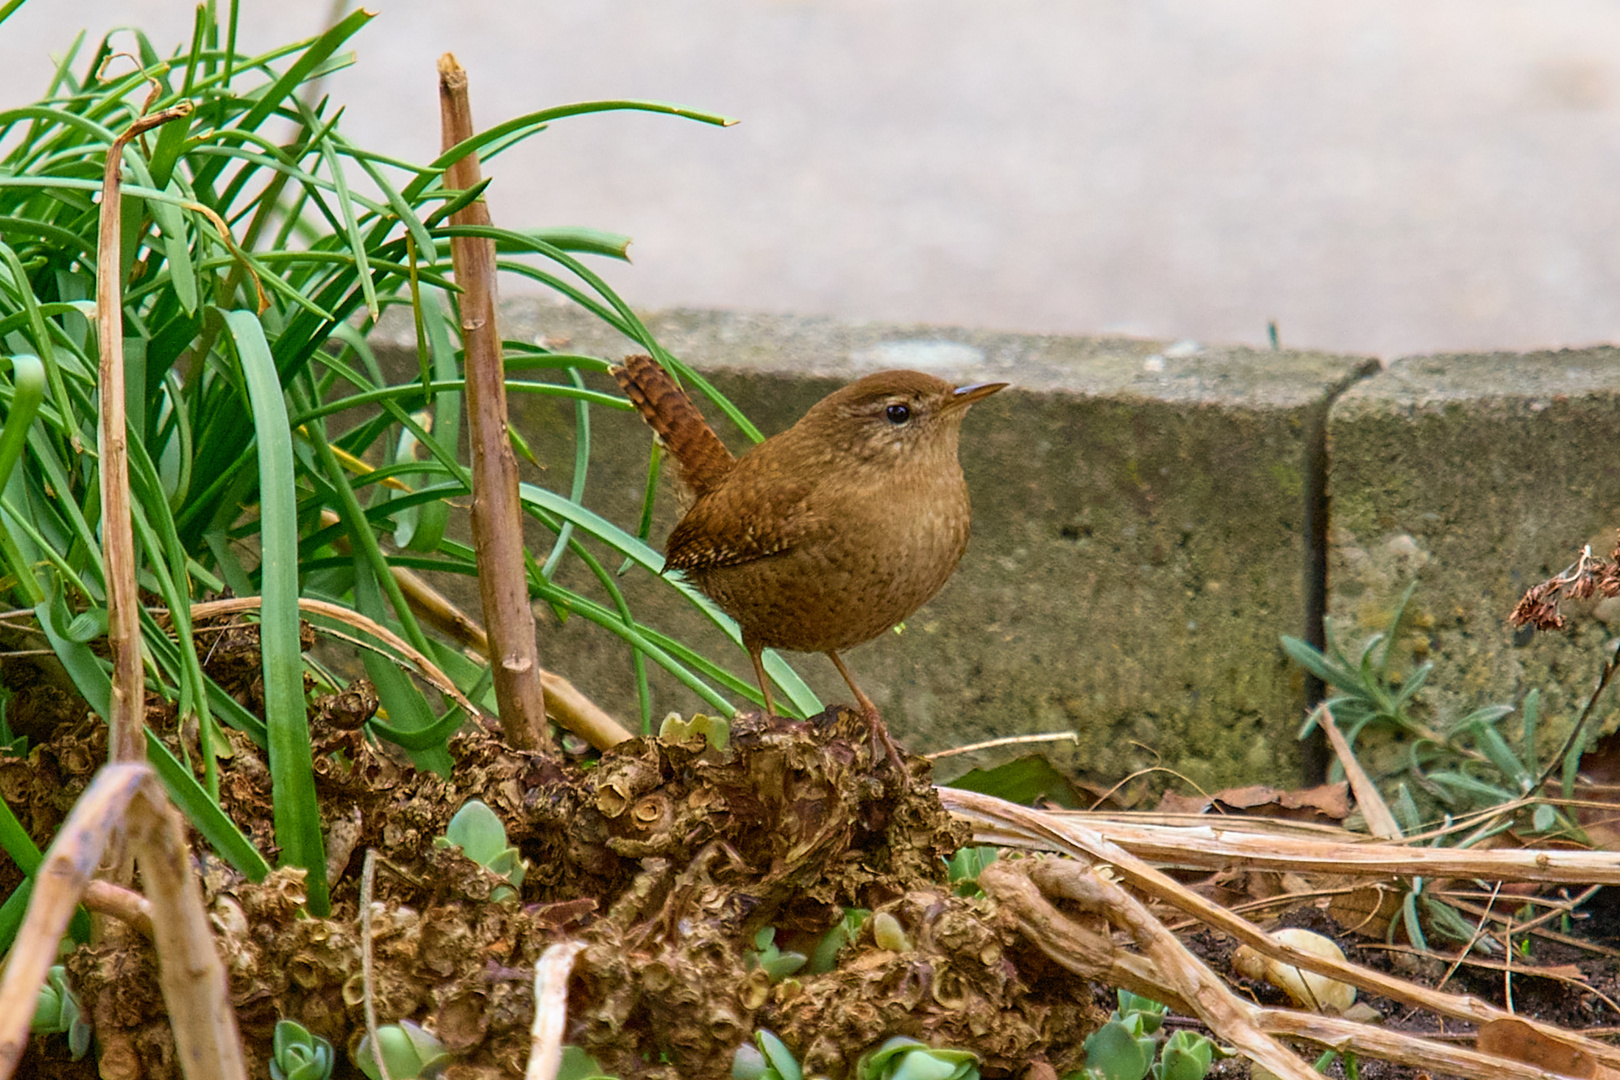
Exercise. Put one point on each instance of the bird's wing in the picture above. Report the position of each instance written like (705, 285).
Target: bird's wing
(734, 530)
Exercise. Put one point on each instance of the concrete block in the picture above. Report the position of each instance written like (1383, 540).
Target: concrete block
(1139, 542)
(1476, 476)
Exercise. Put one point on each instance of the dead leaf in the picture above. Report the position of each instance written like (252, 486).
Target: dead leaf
(1519, 1041)
(1368, 910)
(1327, 803)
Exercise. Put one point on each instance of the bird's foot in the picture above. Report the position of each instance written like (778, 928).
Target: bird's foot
(882, 739)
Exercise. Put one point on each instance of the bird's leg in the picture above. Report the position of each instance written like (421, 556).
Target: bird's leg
(880, 731)
(757, 656)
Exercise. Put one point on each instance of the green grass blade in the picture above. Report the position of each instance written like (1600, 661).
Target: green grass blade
(83, 667)
(351, 225)
(204, 814)
(297, 814)
(407, 709)
(536, 120)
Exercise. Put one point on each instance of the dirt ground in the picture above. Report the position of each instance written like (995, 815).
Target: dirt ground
(667, 859)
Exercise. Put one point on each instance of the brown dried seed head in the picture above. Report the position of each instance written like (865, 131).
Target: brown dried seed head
(1541, 615)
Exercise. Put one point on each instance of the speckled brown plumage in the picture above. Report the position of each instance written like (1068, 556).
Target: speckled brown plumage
(833, 531)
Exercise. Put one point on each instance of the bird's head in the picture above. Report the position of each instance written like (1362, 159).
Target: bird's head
(895, 414)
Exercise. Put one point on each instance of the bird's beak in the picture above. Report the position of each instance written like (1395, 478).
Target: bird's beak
(963, 396)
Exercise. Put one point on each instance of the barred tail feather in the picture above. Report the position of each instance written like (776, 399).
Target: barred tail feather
(703, 459)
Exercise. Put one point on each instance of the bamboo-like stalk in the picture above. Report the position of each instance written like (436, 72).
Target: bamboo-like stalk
(1170, 974)
(497, 517)
(1218, 846)
(192, 976)
(127, 714)
(551, 974)
(195, 988)
(996, 821)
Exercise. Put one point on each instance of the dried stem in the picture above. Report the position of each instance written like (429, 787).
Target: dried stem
(192, 977)
(1223, 843)
(368, 875)
(190, 971)
(497, 518)
(127, 714)
(551, 973)
(1374, 810)
(999, 822)
(1578, 732)
(125, 905)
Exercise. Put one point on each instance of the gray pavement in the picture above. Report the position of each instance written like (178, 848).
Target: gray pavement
(1380, 177)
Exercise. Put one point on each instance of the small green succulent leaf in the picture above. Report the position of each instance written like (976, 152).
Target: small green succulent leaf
(715, 730)
(481, 836)
(965, 866)
(1150, 1012)
(478, 832)
(576, 1064)
(57, 1012)
(78, 1038)
(1113, 1052)
(874, 1062)
(825, 955)
(50, 1007)
(295, 1054)
(773, 961)
(748, 1061)
(887, 933)
(784, 964)
(1186, 1056)
(905, 1058)
(780, 1061)
(411, 1053)
(675, 729)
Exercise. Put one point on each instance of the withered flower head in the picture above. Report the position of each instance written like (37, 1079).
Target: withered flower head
(1535, 610)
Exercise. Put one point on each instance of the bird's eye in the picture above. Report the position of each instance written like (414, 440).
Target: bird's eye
(898, 414)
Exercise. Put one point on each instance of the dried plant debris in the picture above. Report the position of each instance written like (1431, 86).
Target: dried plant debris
(1589, 576)
(673, 861)
(1327, 804)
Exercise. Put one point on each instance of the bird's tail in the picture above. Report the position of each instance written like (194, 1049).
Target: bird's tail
(702, 457)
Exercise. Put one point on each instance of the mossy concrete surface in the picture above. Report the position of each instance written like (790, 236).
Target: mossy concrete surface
(1477, 476)
(1139, 538)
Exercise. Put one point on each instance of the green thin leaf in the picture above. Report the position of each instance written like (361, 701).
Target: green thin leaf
(297, 814)
(204, 814)
(351, 224)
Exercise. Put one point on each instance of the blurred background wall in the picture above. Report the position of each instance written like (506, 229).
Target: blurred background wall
(1382, 176)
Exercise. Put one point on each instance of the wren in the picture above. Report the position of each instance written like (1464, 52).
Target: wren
(826, 535)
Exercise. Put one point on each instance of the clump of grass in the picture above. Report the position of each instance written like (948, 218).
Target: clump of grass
(269, 453)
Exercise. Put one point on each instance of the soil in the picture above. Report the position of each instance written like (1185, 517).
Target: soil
(666, 858)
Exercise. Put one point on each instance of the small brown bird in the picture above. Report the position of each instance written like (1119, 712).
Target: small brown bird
(833, 531)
